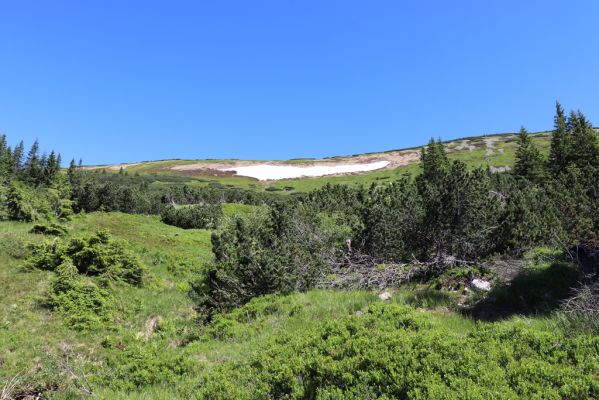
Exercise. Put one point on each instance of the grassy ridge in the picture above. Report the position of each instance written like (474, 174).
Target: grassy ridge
(473, 151)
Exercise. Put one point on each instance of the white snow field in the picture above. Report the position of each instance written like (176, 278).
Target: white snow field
(265, 172)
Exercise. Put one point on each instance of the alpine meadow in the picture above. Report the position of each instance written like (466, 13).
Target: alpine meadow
(451, 281)
(299, 200)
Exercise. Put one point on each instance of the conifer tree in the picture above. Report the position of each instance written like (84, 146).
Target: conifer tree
(558, 154)
(4, 168)
(50, 169)
(434, 161)
(32, 163)
(17, 157)
(584, 149)
(529, 160)
(3, 146)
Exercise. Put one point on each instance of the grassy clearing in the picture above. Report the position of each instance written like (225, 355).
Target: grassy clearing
(32, 338)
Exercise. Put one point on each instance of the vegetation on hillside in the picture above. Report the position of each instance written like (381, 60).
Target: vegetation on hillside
(115, 287)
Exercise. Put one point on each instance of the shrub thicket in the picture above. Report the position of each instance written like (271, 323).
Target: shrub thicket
(81, 302)
(193, 216)
(281, 250)
(392, 351)
(86, 303)
(95, 255)
(448, 215)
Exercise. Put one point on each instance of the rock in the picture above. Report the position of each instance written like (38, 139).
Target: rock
(359, 313)
(385, 296)
(481, 284)
(151, 326)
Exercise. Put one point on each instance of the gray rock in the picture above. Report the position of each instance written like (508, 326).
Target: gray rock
(385, 296)
(481, 284)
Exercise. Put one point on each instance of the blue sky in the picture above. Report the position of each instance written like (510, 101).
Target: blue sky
(115, 81)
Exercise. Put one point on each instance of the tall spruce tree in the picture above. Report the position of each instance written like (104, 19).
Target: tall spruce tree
(17, 157)
(50, 169)
(3, 146)
(584, 148)
(32, 164)
(529, 160)
(433, 160)
(558, 154)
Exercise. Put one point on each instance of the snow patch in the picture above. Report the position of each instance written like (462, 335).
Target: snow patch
(265, 172)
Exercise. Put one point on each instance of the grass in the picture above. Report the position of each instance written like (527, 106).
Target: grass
(32, 338)
(35, 342)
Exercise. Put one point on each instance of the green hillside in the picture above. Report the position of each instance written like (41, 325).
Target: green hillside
(492, 150)
(468, 274)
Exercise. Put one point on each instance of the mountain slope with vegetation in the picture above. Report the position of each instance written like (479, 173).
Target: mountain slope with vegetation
(496, 151)
(456, 281)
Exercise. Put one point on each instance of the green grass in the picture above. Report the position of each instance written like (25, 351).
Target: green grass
(234, 209)
(32, 338)
(35, 342)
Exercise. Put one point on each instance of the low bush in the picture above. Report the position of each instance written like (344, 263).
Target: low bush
(83, 304)
(393, 351)
(193, 216)
(49, 229)
(279, 250)
(86, 304)
(131, 364)
(97, 254)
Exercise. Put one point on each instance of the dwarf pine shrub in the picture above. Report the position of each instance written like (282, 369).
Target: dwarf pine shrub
(95, 255)
(393, 351)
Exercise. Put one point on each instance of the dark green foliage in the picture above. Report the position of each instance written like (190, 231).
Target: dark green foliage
(132, 365)
(460, 213)
(558, 155)
(394, 352)
(17, 205)
(529, 161)
(278, 252)
(433, 161)
(193, 216)
(49, 229)
(83, 304)
(393, 219)
(575, 194)
(93, 255)
(584, 148)
(530, 218)
(574, 143)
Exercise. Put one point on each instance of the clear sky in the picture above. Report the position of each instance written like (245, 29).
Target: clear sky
(116, 81)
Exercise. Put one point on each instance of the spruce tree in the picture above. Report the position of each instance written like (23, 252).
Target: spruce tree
(50, 169)
(3, 146)
(32, 163)
(6, 169)
(584, 149)
(17, 157)
(529, 161)
(4, 155)
(433, 160)
(558, 154)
